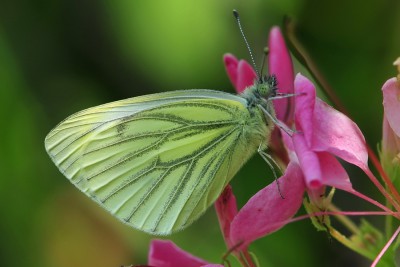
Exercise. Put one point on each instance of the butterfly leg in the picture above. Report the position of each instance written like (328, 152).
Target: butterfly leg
(282, 95)
(278, 123)
(272, 164)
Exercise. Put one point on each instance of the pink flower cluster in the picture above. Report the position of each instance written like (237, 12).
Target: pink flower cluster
(322, 135)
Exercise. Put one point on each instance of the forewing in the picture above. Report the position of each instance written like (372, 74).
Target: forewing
(156, 162)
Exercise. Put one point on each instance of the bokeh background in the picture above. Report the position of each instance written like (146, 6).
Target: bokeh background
(61, 56)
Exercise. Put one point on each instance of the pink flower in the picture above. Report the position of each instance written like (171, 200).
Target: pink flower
(226, 209)
(264, 213)
(280, 64)
(323, 134)
(323, 131)
(267, 211)
(240, 72)
(164, 253)
(390, 151)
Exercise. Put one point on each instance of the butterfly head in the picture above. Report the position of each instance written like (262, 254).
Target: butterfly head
(263, 89)
(267, 86)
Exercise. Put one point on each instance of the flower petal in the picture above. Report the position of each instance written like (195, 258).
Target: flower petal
(266, 211)
(391, 104)
(333, 172)
(334, 132)
(280, 64)
(326, 129)
(390, 143)
(240, 72)
(226, 209)
(309, 162)
(246, 76)
(164, 253)
(231, 63)
(304, 107)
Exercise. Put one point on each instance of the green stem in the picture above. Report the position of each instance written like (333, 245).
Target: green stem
(396, 244)
(349, 224)
(388, 222)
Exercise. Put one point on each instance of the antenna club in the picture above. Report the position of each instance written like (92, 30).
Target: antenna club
(236, 13)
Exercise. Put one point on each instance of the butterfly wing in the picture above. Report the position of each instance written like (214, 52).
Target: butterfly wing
(157, 162)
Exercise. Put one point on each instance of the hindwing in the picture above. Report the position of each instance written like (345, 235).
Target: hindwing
(156, 162)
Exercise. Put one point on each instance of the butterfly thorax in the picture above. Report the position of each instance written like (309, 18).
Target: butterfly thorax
(260, 107)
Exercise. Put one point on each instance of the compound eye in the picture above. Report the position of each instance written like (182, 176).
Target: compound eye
(263, 89)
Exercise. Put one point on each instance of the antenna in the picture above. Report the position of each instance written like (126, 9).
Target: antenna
(265, 54)
(236, 15)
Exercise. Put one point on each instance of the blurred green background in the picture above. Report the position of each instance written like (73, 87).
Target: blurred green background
(61, 56)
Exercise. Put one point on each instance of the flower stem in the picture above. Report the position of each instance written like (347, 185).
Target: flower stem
(388, 223)
(385, 248)
(346, 213)
(384, 176)
(381, 188)
(372, 201)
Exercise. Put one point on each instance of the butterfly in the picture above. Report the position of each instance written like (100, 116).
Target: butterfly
(157, 162)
